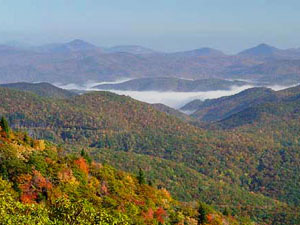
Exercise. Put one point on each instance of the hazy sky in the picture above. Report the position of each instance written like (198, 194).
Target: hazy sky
(170, 25)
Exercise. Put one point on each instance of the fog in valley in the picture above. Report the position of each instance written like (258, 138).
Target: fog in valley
(169, 98)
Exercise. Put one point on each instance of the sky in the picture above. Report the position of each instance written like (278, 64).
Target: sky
(166, 25)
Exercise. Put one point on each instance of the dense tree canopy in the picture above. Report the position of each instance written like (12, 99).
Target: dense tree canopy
(247, 162)
(48, 186)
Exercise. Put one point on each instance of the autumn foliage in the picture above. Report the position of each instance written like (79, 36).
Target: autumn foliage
(82, 165)
(52, 186)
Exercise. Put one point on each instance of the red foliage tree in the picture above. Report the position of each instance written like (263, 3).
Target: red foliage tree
(82, 165)
(33, 185)
(160, 213)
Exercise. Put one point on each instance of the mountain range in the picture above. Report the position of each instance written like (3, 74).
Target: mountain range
(79, 61)
(237, 153)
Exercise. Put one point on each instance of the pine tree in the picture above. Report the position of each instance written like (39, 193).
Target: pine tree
(26, 138)
(150, 183)
(141, 177)
(4, 125)
(202, 214)
(86, 156)
(226, 212)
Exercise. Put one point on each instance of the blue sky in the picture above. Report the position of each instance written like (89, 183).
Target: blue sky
(170, 25)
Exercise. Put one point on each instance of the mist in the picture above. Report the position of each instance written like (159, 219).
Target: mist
(88, 86)
(170, 98)
(177, 99)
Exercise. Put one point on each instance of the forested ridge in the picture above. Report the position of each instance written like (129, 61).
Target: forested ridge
(212, 110)
(251, 166)
(40, 183)
(42, 89)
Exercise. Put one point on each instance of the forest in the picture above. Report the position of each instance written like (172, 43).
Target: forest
(246, 163)
(40, 183)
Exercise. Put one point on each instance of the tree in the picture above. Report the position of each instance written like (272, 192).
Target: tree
(226, 212)
(202, 214)
(26, 138)
(150, 183)
(141, 177)
(86, 156)
(4, 125)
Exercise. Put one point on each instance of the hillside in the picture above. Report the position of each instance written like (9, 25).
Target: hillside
(188, 184)
(213, 110)
(284, 109)
(107, 121)
(172, 84)
(170, 111)
(262, 50)
(192, 106)
(96, 119)
(41, 89)
(41, 184)
(217, 109)
(76, 45)
(270, 52)
(278, 123)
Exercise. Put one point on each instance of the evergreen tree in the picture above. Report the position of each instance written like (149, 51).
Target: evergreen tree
(202, 214)
(26, 138)
(141, 177)
(4, 125)
(226, 212)
(86, 156)
(150, 183)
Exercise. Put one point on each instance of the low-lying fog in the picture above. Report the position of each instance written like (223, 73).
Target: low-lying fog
(172, 99)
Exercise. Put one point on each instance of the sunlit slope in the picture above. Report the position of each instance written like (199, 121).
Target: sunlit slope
(41, 184)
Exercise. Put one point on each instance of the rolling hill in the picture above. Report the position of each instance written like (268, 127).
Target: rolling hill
(262, 50)
(170, 111)
(213, 110)
(172, 84)
(42, 184)
(231, 158)
(41, 89)
(217, 109)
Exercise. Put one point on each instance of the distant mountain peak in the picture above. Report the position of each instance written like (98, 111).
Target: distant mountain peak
(72, 46)
(264, 45)
(80, 44)
(260, 50)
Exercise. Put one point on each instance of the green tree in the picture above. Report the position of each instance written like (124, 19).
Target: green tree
(141, 177)
(86, 156)
(4, 125)
(226, 212)
(202, 214)
(26, 138)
